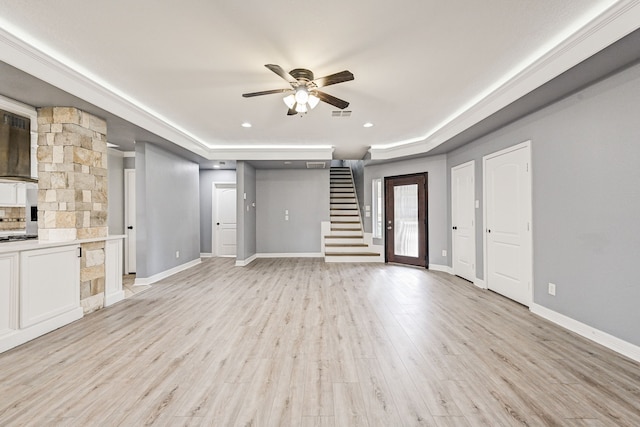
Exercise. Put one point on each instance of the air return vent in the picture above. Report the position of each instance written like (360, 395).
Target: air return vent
(316, 165)
(341, 113)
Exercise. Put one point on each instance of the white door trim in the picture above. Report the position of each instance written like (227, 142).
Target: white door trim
(128, 173)
(214, 205)
(525, 144)
(471, 164)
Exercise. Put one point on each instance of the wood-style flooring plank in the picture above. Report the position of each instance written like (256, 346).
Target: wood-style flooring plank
(299, 342)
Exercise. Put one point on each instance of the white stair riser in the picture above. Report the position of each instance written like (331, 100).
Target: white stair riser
(345, 233)
(355, 218)
(353, 258)
(344, 206)
(344, 240)
(337, 212)
(343, 200)
(345, 225)
(346, 249)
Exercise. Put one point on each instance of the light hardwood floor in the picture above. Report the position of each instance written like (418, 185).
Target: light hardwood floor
(303, 343)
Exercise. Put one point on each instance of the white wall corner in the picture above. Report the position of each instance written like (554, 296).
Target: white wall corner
(480, 283)
(166, 273)
(245, 262)
(443, 268)
(618, 345)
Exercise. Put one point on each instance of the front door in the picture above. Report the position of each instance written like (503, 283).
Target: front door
(406, 219)
(507, 183)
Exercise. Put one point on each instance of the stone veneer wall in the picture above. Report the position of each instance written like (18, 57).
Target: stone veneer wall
(72, 190)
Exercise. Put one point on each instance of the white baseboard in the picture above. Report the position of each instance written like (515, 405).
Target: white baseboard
(443, 268)
(113, 298)
(206, 255)
(625, 348)
(166, 273)
(291, 255)
(21, 336)
(480, 283)
(245, 262)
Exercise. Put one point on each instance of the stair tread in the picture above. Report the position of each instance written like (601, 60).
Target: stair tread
(343, 237)
(351, 254)
(346, 245)
(345, 222)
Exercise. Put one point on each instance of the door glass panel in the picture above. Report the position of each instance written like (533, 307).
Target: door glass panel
(406, 220)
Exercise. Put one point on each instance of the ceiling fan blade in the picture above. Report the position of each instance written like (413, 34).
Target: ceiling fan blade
(265, 92)
(330, 99)
(342, 76)
(282, 73)
(291, 112)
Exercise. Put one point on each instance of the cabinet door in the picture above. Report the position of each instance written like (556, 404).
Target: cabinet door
(49, 283)
(8, 293)
(8, 194)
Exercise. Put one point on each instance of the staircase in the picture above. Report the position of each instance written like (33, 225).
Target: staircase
(345, 241)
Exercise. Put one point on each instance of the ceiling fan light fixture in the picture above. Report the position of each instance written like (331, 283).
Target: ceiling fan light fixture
(313, 101)
(302, 95)
(290, 100)
(301, 108)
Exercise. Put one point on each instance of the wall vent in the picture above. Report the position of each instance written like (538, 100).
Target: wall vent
(316, 165)
(341, 113)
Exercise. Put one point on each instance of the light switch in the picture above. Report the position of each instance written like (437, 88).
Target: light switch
(367, 208)
(367, 214)
(245, 196)
(286, 217)
(286, 212)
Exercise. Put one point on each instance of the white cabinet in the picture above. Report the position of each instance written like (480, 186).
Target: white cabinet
(8, 293)
(113, 291)
(49, 283)
(12, 194)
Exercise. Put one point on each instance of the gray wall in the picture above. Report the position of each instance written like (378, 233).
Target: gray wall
(305, 194)
(207, 178)
(167, 210)
(115, 175)
(437, 198)
(246, 212)
(586, 202)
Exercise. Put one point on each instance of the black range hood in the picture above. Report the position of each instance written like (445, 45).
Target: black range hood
(15, 147)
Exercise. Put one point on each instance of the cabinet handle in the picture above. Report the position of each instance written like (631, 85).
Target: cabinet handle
(79, 252)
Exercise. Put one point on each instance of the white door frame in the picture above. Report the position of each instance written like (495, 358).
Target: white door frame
(527, 145)
(471, 164)
(128, 173)
(214, 210)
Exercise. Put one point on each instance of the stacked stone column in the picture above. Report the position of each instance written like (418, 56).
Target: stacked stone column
(72, 190)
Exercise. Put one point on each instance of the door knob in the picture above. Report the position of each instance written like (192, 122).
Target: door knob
(130, 227)
(217, 223)
(389, 228)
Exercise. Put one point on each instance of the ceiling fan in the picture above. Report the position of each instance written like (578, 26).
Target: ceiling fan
(304, 93)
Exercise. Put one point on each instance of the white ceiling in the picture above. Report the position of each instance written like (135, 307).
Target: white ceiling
(425, 70)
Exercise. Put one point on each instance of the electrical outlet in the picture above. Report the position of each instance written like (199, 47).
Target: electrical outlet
(444, 252)
(177, 254)
(552, 289)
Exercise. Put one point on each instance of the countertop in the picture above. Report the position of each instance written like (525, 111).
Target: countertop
(30, 245)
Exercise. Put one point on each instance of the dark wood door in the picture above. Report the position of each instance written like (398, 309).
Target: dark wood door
(406, 219)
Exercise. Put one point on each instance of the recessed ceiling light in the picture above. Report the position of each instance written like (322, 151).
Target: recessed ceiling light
(216, 166)
(246, 125)
(368, 125)
(287, 162)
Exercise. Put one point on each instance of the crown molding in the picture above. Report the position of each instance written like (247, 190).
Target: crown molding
(617, 21)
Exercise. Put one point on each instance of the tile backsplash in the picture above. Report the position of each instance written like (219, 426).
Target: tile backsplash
(12, 218)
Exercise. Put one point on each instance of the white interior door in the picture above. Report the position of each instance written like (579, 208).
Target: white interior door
(463, 221)
(507, 180)
(130, 220)
(224, 220)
